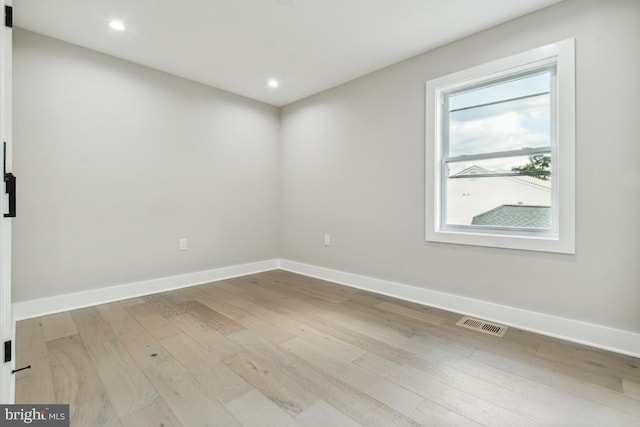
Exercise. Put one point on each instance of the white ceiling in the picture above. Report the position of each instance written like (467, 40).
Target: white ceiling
(237, 45)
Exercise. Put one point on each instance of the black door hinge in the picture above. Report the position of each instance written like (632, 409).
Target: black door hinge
(7, 351)
(8, 16)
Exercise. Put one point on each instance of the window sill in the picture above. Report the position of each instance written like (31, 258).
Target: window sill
(540, 243)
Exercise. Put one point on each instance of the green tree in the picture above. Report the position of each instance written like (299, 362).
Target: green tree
(539, 166)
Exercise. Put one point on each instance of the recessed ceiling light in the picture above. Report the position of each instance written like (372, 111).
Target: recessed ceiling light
(117, 25)
(273, 83)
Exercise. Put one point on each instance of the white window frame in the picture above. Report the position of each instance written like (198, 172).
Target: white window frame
(561, 237)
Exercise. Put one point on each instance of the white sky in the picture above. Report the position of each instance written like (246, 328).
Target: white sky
(500, 127)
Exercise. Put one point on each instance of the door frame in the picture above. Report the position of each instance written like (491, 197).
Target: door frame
(7, 323)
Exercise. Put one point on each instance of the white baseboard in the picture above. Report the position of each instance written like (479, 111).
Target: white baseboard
(606, 338)
(56, 304)
(611, 339)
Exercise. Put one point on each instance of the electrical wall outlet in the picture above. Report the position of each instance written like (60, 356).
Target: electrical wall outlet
(327, 239)
(183, 244)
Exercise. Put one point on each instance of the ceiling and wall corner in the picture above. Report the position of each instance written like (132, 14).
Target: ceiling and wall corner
(307, 45)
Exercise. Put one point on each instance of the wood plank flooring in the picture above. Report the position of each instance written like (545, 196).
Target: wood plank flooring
(281, 349)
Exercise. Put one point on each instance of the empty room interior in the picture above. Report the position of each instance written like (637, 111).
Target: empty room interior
(322, 212)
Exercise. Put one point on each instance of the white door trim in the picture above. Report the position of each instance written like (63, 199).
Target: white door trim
(7, 325)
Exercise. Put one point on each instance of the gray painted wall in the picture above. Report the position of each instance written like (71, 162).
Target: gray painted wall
(116, 162)
(353, 166)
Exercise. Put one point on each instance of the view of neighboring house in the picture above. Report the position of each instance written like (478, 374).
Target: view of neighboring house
(512, 201)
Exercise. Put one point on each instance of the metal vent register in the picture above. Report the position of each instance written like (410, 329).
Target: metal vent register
(482, 326)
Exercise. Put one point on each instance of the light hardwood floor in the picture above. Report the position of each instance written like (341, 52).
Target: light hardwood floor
(280, 349)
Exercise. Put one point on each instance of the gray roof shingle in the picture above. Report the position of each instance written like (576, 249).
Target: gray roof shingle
(515, 216)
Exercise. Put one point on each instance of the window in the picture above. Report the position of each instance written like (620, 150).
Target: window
(500, 153)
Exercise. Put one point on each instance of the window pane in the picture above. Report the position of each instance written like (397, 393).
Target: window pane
(501, 117)
(475, 196)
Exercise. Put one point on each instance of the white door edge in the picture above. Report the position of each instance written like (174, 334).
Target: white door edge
(7, 325)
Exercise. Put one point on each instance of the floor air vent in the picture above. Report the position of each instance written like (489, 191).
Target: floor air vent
(482, 326)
